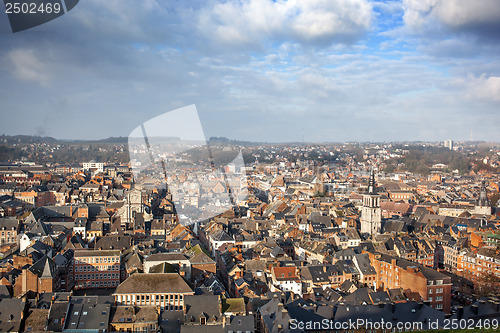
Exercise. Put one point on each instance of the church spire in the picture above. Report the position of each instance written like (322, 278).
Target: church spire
(371, 183)
(483, 198)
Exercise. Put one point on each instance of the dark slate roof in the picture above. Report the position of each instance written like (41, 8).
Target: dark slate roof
(394, 226)
(410, 312)
(206, 329)
(10, 314)
(44, 268)
(318, 274)
(9, 223)
(364, 264)
(167, 257)
(358, 297)
(220, 235)
(240, 324)
(380, 297)
(116, 242)
(87, 314)
(198, 306)
(480, 310)
(5, 291)
(57, 314)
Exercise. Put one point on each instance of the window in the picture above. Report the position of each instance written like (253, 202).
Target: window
(439, 306)
(430, 299)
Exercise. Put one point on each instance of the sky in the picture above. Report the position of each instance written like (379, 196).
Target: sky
(259, 70)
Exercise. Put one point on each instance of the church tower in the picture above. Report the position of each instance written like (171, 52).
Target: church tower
(483, 204)
(371, 213)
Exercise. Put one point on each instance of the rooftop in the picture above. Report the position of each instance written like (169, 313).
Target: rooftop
(154, 284)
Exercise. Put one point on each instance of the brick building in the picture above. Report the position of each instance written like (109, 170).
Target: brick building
(41, 277)
(96, 268)
(394, 272)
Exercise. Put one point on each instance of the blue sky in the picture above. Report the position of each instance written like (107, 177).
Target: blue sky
(259, 70)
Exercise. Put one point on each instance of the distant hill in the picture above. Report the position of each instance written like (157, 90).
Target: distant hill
(113, 139)
(26, 139)
(224, 140)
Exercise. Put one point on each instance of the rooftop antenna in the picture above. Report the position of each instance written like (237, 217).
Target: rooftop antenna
(471, 136)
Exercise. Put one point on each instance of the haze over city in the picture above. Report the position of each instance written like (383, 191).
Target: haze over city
(259, 70)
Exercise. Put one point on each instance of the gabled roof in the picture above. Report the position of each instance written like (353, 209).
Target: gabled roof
(44, 268)
(153, 283)
(198, 306)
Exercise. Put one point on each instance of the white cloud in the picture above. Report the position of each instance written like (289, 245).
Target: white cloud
(483, 87)
(24, 65)
(313, 21)
(454, 14)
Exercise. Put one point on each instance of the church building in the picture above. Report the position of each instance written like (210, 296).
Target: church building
(371, 213)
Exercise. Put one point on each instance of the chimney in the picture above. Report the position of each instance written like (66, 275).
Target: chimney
(474, 308)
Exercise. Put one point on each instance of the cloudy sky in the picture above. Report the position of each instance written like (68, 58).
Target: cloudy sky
(260, 70)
